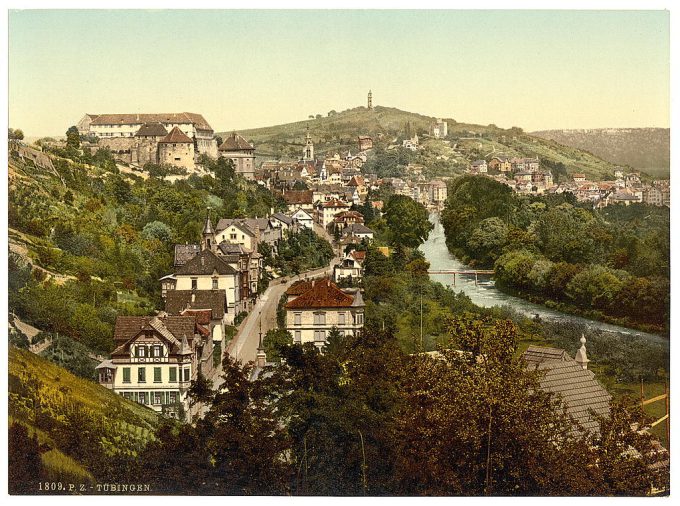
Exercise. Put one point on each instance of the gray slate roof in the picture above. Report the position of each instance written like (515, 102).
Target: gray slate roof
(185, 252)
(579, 389)
(205, 263)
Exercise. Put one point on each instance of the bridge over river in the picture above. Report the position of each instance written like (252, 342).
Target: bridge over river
(478, 285)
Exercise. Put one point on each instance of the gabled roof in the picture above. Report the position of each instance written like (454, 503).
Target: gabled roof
(185, 252)
(299, 287)
(239, 223)
(335, 203)
(579, 389)
(153, 129)
(137, 119)
(206, 263)
(357, 228)
(170, 327)
(176, 136)
(176, 301)
(322, 294)
(230, 248)
(235, 143)
(538, 354)
(283, 218)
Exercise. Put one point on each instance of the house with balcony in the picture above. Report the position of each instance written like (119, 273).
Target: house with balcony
(155, 360)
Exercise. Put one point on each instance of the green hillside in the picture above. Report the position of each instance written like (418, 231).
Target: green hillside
(83, 428)
(647, 149)
(465, 142)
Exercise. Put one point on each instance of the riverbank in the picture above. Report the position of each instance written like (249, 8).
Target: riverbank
(591, 314)
(486, 294)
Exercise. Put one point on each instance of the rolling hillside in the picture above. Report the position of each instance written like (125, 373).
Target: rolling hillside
(80, 423)
(464, 143)
(647, 149)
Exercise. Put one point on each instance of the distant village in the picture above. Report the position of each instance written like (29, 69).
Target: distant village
(216, 281)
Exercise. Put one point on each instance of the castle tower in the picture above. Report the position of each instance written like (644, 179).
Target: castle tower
(308, 153)
(370, 99)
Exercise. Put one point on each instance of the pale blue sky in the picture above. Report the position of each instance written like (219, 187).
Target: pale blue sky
(243, 69)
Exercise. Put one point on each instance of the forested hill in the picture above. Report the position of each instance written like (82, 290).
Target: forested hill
(647, 149)
(338, 131)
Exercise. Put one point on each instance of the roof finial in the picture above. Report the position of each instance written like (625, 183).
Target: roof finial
(581, 357)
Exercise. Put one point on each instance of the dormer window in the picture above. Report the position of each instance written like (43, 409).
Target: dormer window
(215, 281)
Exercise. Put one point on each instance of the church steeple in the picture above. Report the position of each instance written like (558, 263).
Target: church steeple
(208, 237)
(308, 152)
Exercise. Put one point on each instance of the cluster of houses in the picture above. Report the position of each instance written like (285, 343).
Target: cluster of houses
(626, 189)
(156, 358)
(524, 175)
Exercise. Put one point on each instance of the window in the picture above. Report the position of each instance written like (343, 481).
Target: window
(360, 318)
(319, 318)
(141, 351)
(126, 375)
(297, 318)
(173, 374)
(232, 236)
(341, 318)
(214, 283)
(319, 335)
(187, 376)
(127, 395)
(156, 374)
(159, 351)
(158, 398)
(194, 283)
(142, 398)
(173, 397)
(298, 336)
(141, 374)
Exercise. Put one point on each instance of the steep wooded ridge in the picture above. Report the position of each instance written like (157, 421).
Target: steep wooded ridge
(646, 149)
(338, 131)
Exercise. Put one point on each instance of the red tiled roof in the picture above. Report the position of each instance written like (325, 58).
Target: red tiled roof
(299, 287)
(299, 197)
(323, 294)
(176, 136)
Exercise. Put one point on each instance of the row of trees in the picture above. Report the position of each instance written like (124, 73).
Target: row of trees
(615, 260)
(365, 419)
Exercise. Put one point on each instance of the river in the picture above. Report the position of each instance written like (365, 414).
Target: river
(485, 294)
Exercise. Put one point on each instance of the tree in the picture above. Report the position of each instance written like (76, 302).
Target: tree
(157, 230)
(407, 221)
(73, 138)
(15, 134)
(274, 340)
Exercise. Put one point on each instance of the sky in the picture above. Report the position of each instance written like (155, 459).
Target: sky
(245, 69)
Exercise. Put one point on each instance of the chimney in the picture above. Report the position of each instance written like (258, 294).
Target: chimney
(581, 358)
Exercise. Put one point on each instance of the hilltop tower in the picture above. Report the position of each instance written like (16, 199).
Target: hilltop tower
(308, 153)
(370, 99)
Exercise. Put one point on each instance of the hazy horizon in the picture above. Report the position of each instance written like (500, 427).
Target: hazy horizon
(539, 70)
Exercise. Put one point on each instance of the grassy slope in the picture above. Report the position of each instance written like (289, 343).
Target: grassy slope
(339, 133)
(647, 149)
(60, 390)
